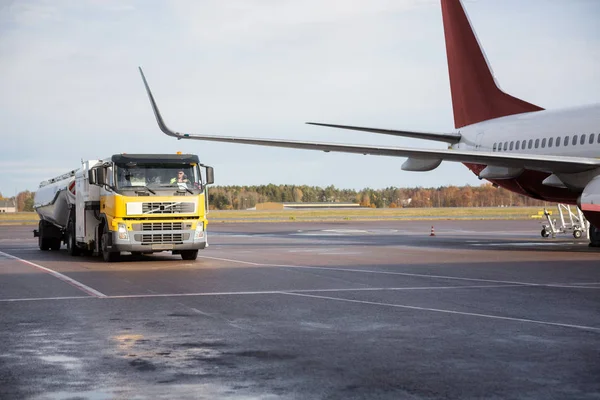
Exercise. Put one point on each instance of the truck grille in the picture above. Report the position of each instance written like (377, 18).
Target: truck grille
(161, 238)
(162, 226)
(167, 207)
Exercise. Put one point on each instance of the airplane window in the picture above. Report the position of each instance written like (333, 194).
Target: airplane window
(505, 146)
(517, 145)
(524, 144)
(566, 143)
(574, 142)
(550, 142)
(494, 148)
(511, 145)
(558, 141)
(582, 139)
(543, 143)
(591, 138)
(599, 138)
(530, 144)
(537, 143)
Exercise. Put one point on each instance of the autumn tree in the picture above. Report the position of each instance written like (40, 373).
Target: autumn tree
(298, 195)
(25, 201)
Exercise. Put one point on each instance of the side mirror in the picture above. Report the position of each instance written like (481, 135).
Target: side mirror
(92, 177)
(97, 176)
(101, 176)
(210, 175)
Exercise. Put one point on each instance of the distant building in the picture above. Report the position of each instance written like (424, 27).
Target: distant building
(304, 206)
(7, 205)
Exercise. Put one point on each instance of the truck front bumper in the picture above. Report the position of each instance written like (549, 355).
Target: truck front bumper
(153, 241)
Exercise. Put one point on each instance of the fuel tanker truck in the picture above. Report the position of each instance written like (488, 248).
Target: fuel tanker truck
(137, 203)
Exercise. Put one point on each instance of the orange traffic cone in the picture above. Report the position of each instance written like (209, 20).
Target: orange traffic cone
(432, 231)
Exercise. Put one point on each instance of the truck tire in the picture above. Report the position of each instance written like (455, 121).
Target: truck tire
(107, 256)
(55, 244)
(42, 241)
(72, 248)
(189, 254)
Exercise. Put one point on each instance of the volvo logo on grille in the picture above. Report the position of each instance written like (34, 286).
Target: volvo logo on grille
(168, 207)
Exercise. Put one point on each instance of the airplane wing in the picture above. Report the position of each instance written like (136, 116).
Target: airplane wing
(546, 163)
(451, 138)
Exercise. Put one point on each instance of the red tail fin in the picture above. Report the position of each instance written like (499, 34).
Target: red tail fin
(475, 95)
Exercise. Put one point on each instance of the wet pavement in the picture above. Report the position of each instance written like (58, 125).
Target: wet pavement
(373, 310)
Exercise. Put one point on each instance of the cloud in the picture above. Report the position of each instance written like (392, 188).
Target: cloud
(69, 86)
(32, 13)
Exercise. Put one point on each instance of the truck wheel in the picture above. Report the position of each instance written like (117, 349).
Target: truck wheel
(42, 241)
(189, 254)
(107, 256)
(72, 248)
(55, 244)
(576, 233)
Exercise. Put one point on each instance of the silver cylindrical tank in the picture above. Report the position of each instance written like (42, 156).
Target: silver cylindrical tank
(53, 199)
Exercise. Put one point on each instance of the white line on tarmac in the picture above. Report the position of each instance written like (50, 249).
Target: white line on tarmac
(45, 299)
(64, 278)
(366, 271)
(259, 292)
(531, 321)
(306, 293)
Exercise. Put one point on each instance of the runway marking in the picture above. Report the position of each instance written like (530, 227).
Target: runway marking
(84, 288)
(259, 292)
(531, 321)
(306, 293)
(45, 299)
(366, 271)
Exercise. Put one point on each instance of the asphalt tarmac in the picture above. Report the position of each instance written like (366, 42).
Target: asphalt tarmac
(352, 310)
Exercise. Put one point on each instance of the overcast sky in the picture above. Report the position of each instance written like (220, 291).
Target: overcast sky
(70, 89)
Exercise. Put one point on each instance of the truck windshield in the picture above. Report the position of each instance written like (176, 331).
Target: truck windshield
(153, 177)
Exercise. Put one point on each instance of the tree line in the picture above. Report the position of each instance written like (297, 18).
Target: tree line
(244, 197)
(486, 195)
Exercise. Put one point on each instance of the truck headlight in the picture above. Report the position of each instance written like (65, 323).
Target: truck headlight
(199, 233)
(123, 232)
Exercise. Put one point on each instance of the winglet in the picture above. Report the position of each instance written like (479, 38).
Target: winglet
(476, 96)
(161, 124)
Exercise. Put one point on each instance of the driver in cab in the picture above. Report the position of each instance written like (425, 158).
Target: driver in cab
(181, 178)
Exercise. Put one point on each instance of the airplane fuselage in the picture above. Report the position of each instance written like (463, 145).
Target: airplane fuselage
(573, 132)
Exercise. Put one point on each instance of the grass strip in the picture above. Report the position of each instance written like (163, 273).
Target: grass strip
(363, 214)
